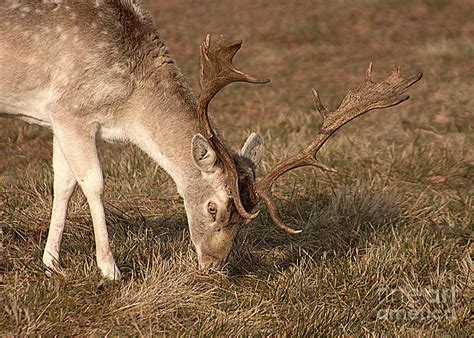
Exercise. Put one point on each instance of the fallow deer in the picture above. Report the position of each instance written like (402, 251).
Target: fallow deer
(89, 69)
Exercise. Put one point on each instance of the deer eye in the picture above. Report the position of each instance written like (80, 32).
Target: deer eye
(212, 209)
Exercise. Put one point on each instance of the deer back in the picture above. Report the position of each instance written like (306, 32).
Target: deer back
(75, 54)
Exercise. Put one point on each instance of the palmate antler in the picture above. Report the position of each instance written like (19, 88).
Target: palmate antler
(367, 96)
(217, 71)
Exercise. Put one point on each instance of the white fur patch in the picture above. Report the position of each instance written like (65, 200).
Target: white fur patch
(112, 134)
(31, 106)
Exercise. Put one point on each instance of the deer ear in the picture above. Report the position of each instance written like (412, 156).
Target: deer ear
(253, 148)
(203, 155)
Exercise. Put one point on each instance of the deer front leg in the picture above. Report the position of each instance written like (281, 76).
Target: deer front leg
(64, 184)
(77, 144)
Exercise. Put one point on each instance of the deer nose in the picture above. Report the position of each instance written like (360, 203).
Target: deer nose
(208, 262)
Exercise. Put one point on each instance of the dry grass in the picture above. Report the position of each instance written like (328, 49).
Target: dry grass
(381, 239)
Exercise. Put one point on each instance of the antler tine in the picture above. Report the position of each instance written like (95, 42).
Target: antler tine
(319, 105)
(369, 95)
(217, 71)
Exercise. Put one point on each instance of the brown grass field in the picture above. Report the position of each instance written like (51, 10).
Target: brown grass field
(387, 242)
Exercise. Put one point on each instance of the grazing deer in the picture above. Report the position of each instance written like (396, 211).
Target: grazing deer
(99, 69)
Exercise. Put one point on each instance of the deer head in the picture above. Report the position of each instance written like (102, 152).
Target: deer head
(238, 192)
(216, 204)
(212, 215)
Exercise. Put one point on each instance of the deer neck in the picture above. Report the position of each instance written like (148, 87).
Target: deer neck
(164, 123)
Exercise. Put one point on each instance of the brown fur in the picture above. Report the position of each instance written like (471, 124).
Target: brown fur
(100, 67)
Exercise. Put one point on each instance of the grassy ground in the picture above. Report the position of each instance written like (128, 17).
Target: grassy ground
(386, 245)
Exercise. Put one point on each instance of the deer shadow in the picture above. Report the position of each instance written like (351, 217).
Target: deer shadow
(332, 223)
